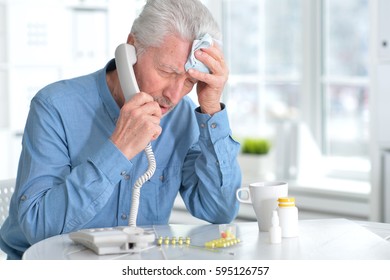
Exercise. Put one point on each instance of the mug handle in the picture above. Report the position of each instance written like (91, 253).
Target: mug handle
(245, 190)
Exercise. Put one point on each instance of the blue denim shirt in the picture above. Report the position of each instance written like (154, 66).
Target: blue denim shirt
(71, 176)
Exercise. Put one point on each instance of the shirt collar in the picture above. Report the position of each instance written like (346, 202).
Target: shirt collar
(105, 94)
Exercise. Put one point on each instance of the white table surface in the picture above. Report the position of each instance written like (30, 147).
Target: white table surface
(325, 239)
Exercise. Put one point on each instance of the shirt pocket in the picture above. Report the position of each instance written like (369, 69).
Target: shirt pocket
(159, 193)
(170, 184)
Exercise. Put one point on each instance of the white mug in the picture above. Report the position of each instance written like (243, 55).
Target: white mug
(264, 198)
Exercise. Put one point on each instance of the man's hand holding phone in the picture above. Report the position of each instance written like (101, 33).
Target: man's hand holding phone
(138, 124)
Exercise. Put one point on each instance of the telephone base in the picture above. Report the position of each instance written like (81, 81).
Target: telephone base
(116, 240)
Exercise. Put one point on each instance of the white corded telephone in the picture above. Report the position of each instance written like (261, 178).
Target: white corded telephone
(131, 238)
(125, 58)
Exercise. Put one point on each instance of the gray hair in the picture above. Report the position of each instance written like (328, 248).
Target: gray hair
(188, 19)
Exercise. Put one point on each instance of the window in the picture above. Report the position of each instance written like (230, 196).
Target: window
(345, 84)
(265, 61)
(299, 76)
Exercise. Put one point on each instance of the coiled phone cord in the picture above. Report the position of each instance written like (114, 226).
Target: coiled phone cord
(138, 184)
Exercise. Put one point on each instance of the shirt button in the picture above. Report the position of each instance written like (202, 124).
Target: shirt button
(123, 216)
(202, 125)
(213, 125)
(23, 198)
(125, 175)
(161, 178)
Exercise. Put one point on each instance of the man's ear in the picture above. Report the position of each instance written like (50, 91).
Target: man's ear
(130, 39)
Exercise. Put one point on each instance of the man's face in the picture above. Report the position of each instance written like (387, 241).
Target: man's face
(160, 72)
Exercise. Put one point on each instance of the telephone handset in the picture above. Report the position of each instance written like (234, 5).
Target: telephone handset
(125, 58)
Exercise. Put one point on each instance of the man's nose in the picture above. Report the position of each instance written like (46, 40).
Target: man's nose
(174, 90)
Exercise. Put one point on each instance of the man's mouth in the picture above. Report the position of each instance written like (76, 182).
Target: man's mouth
(164, 109)
(165, 105)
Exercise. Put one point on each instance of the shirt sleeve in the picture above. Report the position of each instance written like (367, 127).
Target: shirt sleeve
(54, 196)
(211, 174)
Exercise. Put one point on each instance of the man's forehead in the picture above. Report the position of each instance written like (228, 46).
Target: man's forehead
(172, 68)
(170, 62)
(173, 53)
